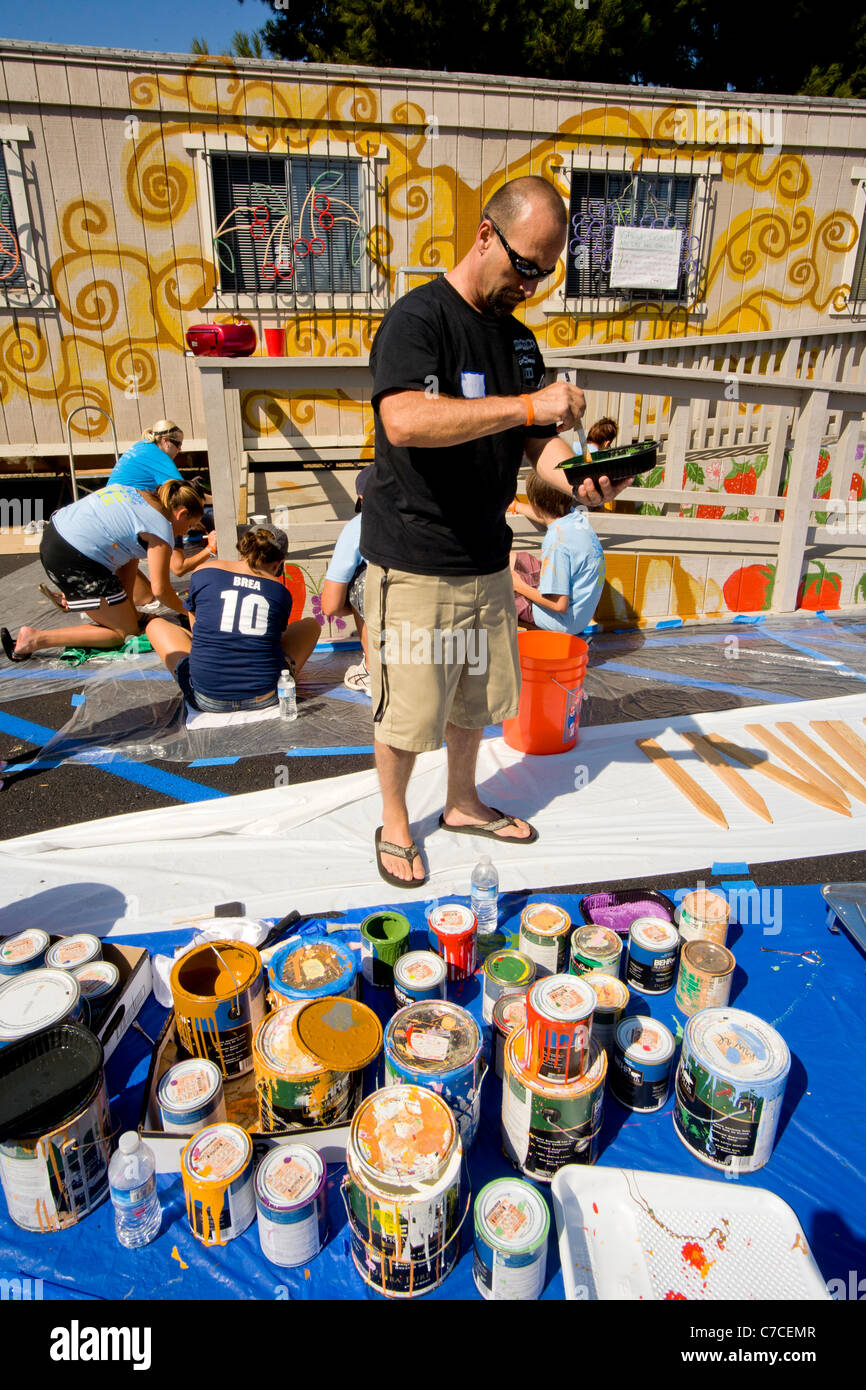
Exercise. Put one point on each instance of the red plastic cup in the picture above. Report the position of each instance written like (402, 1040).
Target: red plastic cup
(275, 342)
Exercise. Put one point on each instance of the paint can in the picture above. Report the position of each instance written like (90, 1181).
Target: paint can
(419, 975)
(611, 1001)
(559, 1012)
(704, 916)
(595, 948)
(452, 930)
(544, 929)
(642, 1062)
(37, 1000)
(291, 1204)
(98, 981)
(651, 964)
(729, 1089)
(190, 1097)
(504, 972)
(312, 970)
(547, 1124)
(509, 1012)
(218, 993)
(512, 1224)
(217, 1172)
(705, 976)
(384, 939)
(23, 952)
(404, 1190)
(343, 1035)
(70, 951)
(437, 1045)
(295, 1089)
(56, 1127)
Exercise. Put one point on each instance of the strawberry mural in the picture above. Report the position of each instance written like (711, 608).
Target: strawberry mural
(819, 589)
(855, 491)
(293, 580)
(750, 589)
(860, 590)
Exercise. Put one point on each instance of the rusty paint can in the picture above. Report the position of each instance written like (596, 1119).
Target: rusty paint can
(217, 1172)
(559, 1012)
(544, 930)
(705, 976)
(295, 1089)
(218, 991)
(704, 916)
(547, 1124)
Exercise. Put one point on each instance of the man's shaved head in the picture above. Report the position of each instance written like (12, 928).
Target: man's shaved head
(509, 202)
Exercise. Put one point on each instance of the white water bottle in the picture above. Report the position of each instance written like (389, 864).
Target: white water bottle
(286, 694)
(132, 1184)
(485, 895)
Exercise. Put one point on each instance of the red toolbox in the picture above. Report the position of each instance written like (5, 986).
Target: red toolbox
(222, 339)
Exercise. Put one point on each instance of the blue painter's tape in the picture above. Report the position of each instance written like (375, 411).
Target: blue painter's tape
(358, 750)
(669, 622)
(770, 697)
(322, 647)
(720, 868)
(352, 697)
(213, 762)
(838, 666)
(77, 699)
(750, 618)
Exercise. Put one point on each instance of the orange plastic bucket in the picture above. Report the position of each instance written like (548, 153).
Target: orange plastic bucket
(552, 666)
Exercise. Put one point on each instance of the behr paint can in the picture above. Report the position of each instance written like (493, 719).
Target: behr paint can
(294, 1088)
(291, 1205)
(37, 1000)
(23, 952)
(642, 1061)
(547, 1124)
(611, 1001)
(595, 948)
(652, 955)
(311, 970)
(559, 1011)
(419, 975)
(509, 1012)
(190, 1096)
(73, 950)
(404, 1190)
(218, 991)
(98, 981)
(384, 939)
(217, 1172)
(729, 1089)
(512, 1224)
(504, 972)
(452, 930)
(705, 975)
(704, 916)
(544, 930)
(438, 1045)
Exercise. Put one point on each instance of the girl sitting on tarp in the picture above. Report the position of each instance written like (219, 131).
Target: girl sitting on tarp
(559, 590)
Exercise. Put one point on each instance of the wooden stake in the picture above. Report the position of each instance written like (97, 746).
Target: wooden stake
(777, 774)
(835, 771)
(732, 779)
(690, 789)
(780, 748)
(844, 740)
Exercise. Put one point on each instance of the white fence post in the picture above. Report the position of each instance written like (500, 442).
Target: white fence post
(798, 503)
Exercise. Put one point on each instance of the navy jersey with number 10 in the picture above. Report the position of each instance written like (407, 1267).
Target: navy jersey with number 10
(239, 620)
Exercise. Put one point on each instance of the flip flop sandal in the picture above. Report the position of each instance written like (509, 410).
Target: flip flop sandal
(489, 829)
(53, 597)
(402, 852)
(9, 646)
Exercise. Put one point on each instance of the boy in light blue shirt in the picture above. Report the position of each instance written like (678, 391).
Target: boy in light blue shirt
(559, 590)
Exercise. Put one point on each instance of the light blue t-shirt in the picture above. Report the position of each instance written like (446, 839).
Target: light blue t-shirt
(106, 524)
(572, 563)
(347, 553)
(144, 466)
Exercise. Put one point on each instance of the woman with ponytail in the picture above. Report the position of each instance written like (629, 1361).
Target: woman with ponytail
(91, 550)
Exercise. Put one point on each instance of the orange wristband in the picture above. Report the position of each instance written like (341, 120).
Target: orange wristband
(530, 410)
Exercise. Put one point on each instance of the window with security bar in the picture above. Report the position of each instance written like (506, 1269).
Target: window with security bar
(858, 280)
(13, 275)
(605, 209)
(288, 225)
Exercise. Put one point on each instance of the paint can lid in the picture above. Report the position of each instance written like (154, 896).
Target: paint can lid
(433, 1036)
(704, 906)
(590, 1080)
(545, 919)
(189, 1085)
(97, 978)
(610, 993)
(341, 1033)
(599, 943)
(36, 1000)
(308, 969)
(643, 1039)
(405, 1134)
(737, 1046)
(509, 968)
(564, 998)
(289, 1176)
(276, 1044)
(419, 970)
(451, 919)
(708, 957)
(509, 1013)
(73, 950)
(217, 1153)
(26, 946)
(511, 1216)
(654, 933)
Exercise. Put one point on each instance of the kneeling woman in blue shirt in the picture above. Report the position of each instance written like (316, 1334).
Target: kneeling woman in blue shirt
(241, 634)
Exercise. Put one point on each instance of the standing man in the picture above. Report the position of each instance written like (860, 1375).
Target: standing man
(458, 397)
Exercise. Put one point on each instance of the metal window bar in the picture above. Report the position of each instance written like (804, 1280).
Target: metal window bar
(858, 279)
(13, 274)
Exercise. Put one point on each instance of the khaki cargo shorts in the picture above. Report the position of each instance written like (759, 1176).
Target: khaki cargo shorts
(441, 650)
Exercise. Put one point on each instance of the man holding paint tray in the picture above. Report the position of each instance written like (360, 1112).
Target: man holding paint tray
(459, 398)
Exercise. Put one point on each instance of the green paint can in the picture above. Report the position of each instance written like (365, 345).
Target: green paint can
(384, 939)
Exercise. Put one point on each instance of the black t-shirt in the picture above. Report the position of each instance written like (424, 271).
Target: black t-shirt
(442, 511)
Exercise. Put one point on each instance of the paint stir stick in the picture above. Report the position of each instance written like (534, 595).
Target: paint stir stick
(682, 781)
(844, 741)
(778, 774)
(778, 746)
(834, 770)
(732, 779)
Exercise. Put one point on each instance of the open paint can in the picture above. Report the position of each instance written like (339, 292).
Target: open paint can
(544, 930)
(559, 1011)
(705, 975)
(419, 975)
(37, 1000)
(295, 1089)
(652, 955)
(310, 970)
(642, 1062)
(512, 1224)
(384, 939)
(70, 951)
(547, 1124)
(217, 1172)
(453, 932)
(509, 1012)
(291, 1204)
(595, 948)
(190, 1096)
(704, 916)
(218, 993)
(504, 972)
(23, 952)
(438, 1045)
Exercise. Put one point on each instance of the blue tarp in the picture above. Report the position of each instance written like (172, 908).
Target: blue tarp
(818, 1165)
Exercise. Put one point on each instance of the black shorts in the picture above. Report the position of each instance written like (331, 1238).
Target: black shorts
(83, 582)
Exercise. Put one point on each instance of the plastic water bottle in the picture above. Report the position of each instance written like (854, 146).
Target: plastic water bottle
(485, 895)
(132, 1184)
(286, 694)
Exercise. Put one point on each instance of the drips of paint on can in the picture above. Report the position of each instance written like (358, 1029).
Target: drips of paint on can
(218, 992)
(652, 955)
(504, 972)
(438, 1045)
(547, 1124)
(295, 1089)
(291, 1205)
(705, 975)
(642, 1062)
(512, 1224)
(217, 1171)
(559, 1011)
(544, 930)
(452, 930)
(190, 1096)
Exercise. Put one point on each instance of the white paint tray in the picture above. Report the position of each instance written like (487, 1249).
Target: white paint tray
(624, 1234)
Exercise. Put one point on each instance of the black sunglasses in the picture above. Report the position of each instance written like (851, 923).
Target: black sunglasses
(527, 270)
